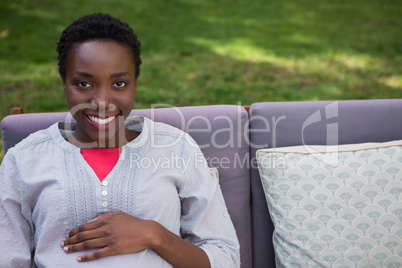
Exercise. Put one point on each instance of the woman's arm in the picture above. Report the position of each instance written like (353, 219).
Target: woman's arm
(178, 251)
(16, 241)
(119, 233)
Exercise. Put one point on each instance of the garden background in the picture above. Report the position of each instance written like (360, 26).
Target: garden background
(200, 52)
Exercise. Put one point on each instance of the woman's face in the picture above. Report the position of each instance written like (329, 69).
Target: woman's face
(100, 87)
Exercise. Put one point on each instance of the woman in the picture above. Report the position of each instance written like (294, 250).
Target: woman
(76, 192)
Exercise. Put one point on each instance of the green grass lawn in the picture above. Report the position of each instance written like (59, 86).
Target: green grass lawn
(198, 52)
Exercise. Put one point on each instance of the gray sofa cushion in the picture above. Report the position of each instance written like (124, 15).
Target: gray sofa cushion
(281, 124)
(219, 130)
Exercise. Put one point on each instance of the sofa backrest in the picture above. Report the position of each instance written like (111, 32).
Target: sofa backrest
(282, 124)
(219, 130)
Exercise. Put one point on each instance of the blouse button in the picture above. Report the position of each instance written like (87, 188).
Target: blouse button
(104, 183)
(104, 204)
(104, 192)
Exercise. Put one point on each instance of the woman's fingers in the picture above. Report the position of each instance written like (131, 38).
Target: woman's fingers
(114, 233)
(83, 237)
(94, 233)
(100, 253)
(90, 225)
(87, 244)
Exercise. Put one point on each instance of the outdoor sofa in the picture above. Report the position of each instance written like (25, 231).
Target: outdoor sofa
(230, 136)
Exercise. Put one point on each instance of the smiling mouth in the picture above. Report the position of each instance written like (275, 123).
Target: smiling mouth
(101, 121)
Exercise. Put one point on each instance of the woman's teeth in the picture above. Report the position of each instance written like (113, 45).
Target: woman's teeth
(101, 121)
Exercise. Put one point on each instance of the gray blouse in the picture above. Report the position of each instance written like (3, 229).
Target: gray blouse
(47, 189)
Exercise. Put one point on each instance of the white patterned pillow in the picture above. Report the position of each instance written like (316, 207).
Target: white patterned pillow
(335, 206)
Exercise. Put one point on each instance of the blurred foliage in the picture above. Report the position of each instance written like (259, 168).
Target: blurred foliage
(200, 52)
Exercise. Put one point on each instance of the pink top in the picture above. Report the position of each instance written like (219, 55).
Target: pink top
(101, 161)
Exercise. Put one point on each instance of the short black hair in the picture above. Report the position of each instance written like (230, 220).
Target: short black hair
(97, 26)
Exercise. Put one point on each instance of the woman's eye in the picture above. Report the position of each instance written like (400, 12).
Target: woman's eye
(83, 84)
(120, 84)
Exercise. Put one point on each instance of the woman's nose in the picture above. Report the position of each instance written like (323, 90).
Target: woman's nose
(103, 98)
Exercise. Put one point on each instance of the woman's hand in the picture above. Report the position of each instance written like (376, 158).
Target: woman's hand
(118, 233)
(114, 233)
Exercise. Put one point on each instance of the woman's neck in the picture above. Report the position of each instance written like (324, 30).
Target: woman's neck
(116, 141)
